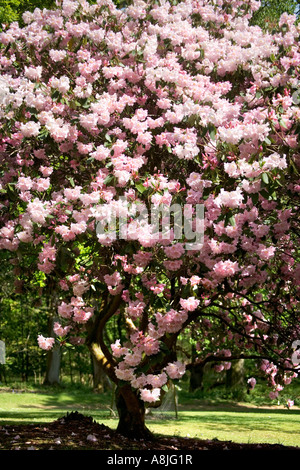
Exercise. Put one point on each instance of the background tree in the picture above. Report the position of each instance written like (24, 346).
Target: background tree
(267, 16)
(12, 10)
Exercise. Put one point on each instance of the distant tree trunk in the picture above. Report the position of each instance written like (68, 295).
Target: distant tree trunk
(196, 371)
(196, 377)
(235, 376)
(2, 373)
(52, 376)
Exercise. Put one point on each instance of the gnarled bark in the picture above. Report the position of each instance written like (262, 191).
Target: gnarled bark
(131, 412)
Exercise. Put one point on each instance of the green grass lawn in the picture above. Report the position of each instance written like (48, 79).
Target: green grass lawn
(238, 422)
(235, 423)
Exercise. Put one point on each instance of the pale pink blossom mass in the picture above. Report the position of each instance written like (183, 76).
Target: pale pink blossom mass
(112, 115)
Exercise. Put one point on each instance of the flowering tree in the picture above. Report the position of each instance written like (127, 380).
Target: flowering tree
(270, 11)
(120, 129)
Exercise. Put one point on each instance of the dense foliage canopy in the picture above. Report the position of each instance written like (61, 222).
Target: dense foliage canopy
(178, 110)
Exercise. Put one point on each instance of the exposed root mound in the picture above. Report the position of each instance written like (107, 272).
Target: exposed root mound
(79, 418)
(75, 431)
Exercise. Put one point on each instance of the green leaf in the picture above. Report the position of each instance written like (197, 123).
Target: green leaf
(255, 198)
(274, 196)
(232, 221)
(108, 179)
(265, 178)
(55, 95)
(282, 123)
(212, 131)
(141, 188)
(229, 219)
(267, 141)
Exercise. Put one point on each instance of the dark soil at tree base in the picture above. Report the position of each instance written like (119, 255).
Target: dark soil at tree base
(78, 432)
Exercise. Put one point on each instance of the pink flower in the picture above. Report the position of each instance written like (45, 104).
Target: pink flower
(65, 310)
(189, 304)
(33, 73)
(232, 199)
(118, 350)
(60, 330)
(173, 265)
(195, 280)
(156, 381)
(63, 285)
(62, 83)
(195, 182)
(171, 321)
(135, 309)
(45, 343)
(82, 315)
(158, 288)
(46, 170)
(80, 287)
(265, 252)
(41, 184)
(126, 374)
(24, 183)
(150, 396)
(251, 382)
(57, 55)
(174, 251)
(72, 193)
(225, 268)
(133, 359)
(113, 279)
(101, 153)
(38, 211)
(290, 403)
(175, 370)
(89, 121)
(30, 129)
(150, 346)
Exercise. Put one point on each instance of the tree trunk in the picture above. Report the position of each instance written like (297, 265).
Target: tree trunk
(101, 381)
(131, 414)
(53, 367)
(53, 362)
(196, 377)
(235, 376)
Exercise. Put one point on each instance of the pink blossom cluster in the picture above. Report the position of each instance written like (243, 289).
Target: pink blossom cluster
(155, 104)
(45, 343)
(76, 310)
